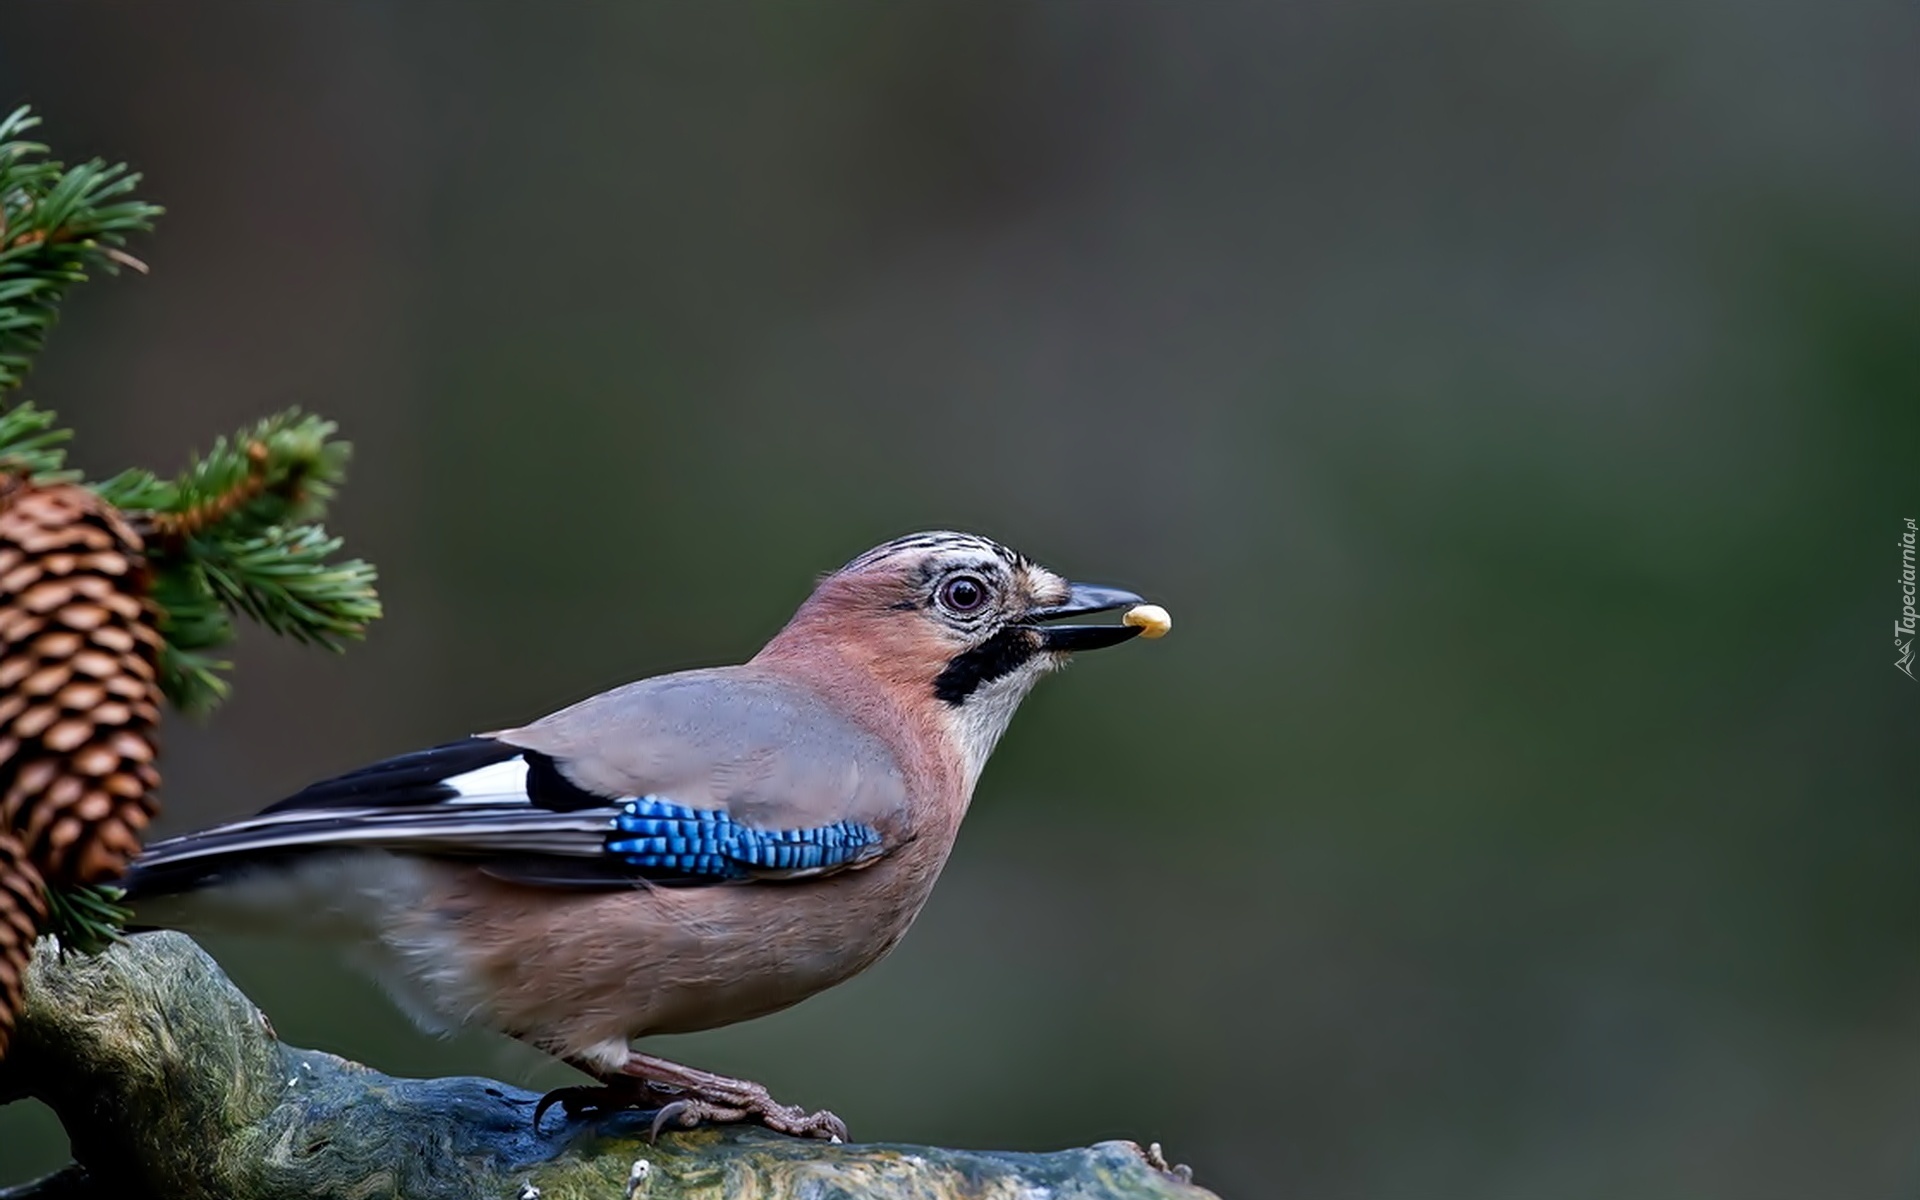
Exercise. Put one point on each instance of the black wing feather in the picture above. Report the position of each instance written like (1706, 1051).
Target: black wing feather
(419, 778)
(404, 780)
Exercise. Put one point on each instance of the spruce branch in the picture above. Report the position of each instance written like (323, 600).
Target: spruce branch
(211, 503)
(237, 533)
(56, 224)
(282, 579)
(280, 471)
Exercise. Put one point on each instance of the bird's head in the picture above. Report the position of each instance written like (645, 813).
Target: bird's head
(951, 624)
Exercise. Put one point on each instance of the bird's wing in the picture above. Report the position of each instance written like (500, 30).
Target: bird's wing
(765, 750)
(702, 777)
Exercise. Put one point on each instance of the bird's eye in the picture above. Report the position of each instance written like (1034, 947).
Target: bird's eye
(963, 593)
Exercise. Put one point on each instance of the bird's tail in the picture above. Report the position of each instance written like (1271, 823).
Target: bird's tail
(175, 883)
(328, 895)
(180, 865)
(225, 854)
(245, 878)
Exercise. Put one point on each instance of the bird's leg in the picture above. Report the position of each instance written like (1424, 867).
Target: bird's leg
(706, 1098)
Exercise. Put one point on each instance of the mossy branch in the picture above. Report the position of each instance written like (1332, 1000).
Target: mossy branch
(171, 1084)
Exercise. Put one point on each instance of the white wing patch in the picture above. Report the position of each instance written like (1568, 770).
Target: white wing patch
(491, 784)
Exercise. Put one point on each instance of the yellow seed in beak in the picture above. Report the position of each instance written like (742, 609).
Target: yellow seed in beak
(1151, 619)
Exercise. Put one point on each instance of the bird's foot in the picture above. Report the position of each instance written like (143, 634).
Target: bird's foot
(690, 1111)
(703, 1098)
(684, 1097)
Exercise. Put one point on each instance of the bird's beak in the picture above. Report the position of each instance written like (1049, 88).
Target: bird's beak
(1085, 598)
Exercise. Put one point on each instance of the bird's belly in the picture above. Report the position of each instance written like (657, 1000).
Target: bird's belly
(582, 974)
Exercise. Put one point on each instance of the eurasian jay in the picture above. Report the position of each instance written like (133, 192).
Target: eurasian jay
(677, 854)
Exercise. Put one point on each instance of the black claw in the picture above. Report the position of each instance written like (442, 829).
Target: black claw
(582, 1099)
(544, 1104)
(576, 1100)
(564, 1097)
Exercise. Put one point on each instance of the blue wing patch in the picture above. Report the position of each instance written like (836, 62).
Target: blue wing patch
(651, 834)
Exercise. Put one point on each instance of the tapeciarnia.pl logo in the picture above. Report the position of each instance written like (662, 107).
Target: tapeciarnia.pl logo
(1903, 628)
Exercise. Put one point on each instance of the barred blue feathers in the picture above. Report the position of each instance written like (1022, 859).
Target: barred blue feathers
(651, 834)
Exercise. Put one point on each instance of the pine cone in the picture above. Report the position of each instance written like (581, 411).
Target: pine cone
(79, 701)
(23, 906)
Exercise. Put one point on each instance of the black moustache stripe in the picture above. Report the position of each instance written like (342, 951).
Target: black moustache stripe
(1002, 654)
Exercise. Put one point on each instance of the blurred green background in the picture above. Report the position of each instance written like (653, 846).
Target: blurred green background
(1515, 404)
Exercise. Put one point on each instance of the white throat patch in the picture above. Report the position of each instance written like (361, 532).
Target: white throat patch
(977, 723)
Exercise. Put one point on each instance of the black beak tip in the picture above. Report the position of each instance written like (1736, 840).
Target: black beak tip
(1069, 638)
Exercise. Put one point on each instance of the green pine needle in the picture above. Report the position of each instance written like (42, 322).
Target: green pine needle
(135, 490)
(282, 579)
(87, 920)
(30, 443)
(192, 621)
(56, 224)
(193, 682)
